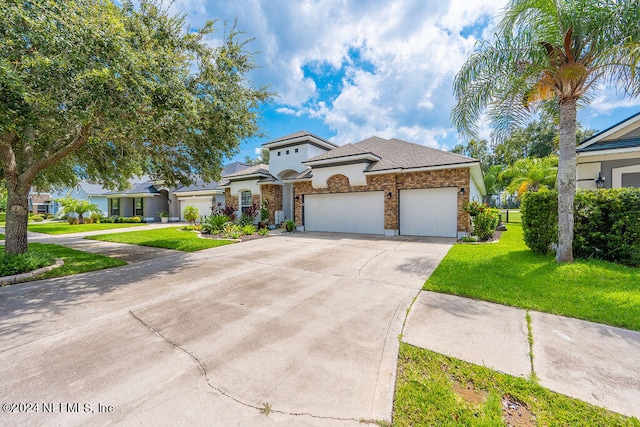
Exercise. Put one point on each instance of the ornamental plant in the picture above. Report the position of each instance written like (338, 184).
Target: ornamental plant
(474, 208)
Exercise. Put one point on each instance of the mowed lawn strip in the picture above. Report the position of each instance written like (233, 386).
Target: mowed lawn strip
(1, 236)
(167, 238)
(66, 228)
(74, 261)
(509, 273)
(432, 389)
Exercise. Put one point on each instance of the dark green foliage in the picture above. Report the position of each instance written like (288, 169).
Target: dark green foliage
(539, 212)
(607, 225)
(214, 224)
(3, 216)
(23, 263)
(485, 223)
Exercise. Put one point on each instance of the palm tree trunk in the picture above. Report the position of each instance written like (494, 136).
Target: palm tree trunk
(17, 217)
(566, 181)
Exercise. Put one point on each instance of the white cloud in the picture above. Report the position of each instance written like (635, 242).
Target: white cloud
(412, 49)
(607, 101)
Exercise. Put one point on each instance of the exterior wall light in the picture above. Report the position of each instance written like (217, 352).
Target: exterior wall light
(600, 180)
(389, 195)
(462, 191)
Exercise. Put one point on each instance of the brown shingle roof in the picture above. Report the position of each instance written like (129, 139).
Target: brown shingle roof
(260, 169)
(394, 154)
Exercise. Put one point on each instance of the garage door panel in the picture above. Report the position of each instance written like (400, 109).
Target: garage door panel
(203, 206)
(345, 212)
(429, 212)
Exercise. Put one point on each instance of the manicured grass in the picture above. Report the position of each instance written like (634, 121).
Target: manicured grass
(66, 228)
(514, 215)
(1, 236)
(168, 238)
(509, 273)
(432, 389)
(74, 261)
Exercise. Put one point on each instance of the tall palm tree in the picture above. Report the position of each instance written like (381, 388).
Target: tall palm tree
(550, 51)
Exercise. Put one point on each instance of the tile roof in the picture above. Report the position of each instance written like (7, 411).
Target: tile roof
(395, 154)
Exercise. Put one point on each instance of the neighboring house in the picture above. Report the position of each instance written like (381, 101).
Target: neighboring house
(375, 186)
(612, 155)
(203, 195)
(39, 202)
(93, 193)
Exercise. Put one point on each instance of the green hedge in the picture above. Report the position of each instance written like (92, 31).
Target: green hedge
(3, 217)
(606, 223)
(539, 213)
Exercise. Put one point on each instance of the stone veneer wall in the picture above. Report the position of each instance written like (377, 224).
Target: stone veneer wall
(230, 200)
(392, 183)
(273, 194)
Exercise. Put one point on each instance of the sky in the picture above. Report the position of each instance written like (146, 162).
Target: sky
(346, 70)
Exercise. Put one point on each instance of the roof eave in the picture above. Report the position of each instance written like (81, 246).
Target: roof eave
(609, 131)
(356, 157)
(424, 168)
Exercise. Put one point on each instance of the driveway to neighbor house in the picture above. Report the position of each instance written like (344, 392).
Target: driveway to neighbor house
(297, 329)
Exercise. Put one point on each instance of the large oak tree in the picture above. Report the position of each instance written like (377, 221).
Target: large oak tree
(93, 89)
(551, 51)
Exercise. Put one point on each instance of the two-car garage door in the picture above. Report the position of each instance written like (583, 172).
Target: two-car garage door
(423, 212)
(345, 212)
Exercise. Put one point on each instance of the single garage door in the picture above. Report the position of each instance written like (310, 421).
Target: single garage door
(345, 212)
(429, 212)
(202, 203)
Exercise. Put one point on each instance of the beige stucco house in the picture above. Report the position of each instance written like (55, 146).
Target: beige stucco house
(375, 186)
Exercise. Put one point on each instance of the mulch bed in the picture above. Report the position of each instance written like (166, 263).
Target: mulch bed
(242, 238)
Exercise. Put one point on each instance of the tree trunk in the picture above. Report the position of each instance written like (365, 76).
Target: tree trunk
(566, 181)
(17, 217)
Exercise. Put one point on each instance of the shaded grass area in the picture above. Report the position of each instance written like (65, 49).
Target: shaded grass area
(1, 236)
(66, 228)
(509, 273)
(24, 263)
(168, 238)
(432, 389)
(74, 261)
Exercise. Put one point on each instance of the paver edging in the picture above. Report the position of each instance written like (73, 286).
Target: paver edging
(17, 278)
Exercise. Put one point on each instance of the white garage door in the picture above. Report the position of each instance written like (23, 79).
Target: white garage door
(345, 212)
(202, 203)
(429, 212)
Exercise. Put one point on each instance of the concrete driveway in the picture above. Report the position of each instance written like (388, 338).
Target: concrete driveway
(297, 329)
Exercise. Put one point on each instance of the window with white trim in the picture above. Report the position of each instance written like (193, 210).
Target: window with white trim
(245, 201)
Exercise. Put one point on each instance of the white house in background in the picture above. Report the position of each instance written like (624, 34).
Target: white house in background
(613, 156)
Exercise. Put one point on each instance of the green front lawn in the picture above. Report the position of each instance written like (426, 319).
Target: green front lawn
(434, 390)
(74, 261)
(66, 228)
(1, 236)
(509, 273)
(168, 238)
(514, 215)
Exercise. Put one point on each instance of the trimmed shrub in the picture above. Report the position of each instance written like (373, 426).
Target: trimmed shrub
(3, 217)
(37, 218)
(485, 223)
(248, 229)
(539, 213)
(23, 263)
(263, 231)
(72, 220)
(607, 225)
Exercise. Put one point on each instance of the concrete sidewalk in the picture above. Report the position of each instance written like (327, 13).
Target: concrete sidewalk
(592, 362)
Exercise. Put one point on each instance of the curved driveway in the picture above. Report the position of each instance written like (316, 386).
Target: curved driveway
(297, 329)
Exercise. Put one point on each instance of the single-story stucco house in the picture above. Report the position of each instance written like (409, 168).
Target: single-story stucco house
(611, 158)
(375, 186)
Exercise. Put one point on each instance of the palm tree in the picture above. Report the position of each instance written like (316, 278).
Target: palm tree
(550, 51)
(79, 207)
(531, 174)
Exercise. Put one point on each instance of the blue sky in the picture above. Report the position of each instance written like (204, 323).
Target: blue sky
(347, 70)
